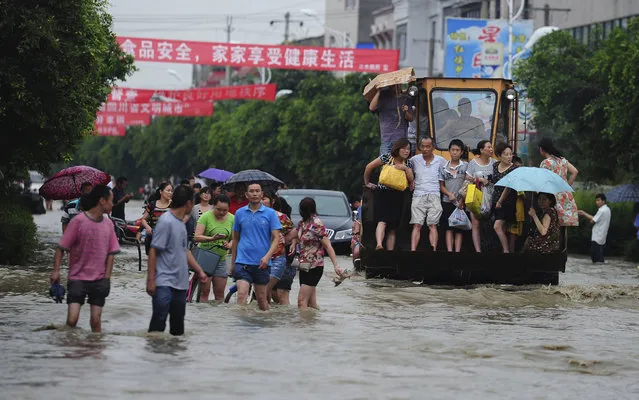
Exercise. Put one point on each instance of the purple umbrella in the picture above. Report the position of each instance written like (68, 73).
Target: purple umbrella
(66, 184)
(214, 174)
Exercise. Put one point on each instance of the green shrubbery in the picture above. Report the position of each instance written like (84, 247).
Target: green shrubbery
(622, 236)
(17, 232)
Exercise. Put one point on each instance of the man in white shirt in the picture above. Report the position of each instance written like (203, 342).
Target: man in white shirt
(426, 205)
(601, 222)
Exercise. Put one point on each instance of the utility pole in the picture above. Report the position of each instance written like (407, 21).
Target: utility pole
(229, 29)
(287, 21)
(547, 9)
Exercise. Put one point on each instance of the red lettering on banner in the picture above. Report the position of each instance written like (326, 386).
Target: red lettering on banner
(122, 119)
(183, 52)
(237, 55)
(310, 58)
(292, 57)
(255, 55)
(146, 50)
(165, 49)
(489, 34)
(145, 108)
(328, 59)
(128, 47)
(177, 110)
(135, 108)
(110, 130)
(477, 60)
(250, 55)
(220, 54)
(130, 95)
(274, 55)
(129, 99)
(346, 59)
(116, 94)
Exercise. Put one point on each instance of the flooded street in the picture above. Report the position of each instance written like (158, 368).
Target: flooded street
(373, 339)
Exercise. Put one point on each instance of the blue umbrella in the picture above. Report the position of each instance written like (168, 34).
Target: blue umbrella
(531, 179)
(623, 193)
(214, 174)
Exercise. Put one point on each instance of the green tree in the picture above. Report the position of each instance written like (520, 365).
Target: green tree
(59, 60)
(585, 98)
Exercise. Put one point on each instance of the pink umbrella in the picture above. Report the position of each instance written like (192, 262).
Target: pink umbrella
(66, 184)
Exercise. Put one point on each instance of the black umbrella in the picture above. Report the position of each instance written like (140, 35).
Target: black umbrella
(253, 176)
(624, 193)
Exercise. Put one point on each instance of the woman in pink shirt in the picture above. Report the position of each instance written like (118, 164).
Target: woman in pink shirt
(91, 243)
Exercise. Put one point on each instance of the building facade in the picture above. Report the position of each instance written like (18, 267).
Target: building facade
(352, 18)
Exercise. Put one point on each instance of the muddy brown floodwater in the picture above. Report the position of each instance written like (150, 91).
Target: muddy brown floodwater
(373, 339)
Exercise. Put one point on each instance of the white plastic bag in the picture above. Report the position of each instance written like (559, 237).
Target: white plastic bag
(487, 200)
(458, 219)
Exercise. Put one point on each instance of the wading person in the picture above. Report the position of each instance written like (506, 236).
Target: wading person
(120, 198)
(213, 233)
(91, 243)
(479, 170)
(451, 179)
(154, 210)
(601, 223)
(256, 237)
(278, 261)
(169, 261)
(426, 205)
(313, 240)
(389, 202)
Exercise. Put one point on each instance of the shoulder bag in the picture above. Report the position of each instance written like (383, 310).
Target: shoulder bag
(393, 178)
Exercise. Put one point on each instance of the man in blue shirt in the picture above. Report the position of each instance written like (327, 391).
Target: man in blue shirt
(256, 235)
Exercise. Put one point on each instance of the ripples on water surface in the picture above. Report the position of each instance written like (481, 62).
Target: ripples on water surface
(373, 339)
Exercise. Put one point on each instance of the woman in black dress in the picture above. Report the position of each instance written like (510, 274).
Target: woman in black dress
(504, 199)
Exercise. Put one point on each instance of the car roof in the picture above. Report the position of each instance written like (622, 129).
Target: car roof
(311, 192)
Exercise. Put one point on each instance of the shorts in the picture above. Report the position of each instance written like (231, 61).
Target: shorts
(447, 210)
(426, 208)
(287, 279)
(96, 291)
(220, 271)
(251, 274)
(312, 277)
(278, 265)
(389, 205)
(507, 213)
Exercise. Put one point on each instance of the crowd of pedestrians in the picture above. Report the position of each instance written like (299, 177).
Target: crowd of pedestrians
(264, 247)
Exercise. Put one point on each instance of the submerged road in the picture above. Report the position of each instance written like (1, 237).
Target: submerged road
(375, 339)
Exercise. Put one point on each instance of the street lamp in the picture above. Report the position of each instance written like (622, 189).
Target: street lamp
(346, 40)
(282, 93)
(512, 18)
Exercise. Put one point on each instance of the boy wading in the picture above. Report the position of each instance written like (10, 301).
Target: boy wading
(91, 243)
(169, 262)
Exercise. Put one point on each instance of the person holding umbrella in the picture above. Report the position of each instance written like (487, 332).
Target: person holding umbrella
(545, 237)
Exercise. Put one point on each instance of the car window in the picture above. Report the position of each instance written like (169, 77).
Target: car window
(329, 206)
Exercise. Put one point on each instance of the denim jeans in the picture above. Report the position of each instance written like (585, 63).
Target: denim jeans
(168, 301)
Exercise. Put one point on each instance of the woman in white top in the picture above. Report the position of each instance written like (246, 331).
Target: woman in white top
(479, 170)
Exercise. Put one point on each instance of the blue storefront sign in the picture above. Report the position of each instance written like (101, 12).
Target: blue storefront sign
(478, 48)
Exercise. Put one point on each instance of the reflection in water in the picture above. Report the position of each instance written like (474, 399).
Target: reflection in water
(163, 343)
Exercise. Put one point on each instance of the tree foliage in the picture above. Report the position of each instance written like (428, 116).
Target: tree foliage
(320, 136)
(586, 97)
(59, 60)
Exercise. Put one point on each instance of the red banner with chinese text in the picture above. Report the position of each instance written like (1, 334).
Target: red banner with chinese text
(257, 55)
(110, 130)
(161, 108)
(249, 92)
(126, 119)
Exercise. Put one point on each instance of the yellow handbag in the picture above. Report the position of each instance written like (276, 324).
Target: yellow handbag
(518, 227)
(474, 197)
(393, 178)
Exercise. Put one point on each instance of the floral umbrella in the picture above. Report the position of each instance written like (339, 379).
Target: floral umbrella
(66, 184)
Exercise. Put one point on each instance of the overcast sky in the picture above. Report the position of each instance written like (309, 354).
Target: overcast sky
(205, 20)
